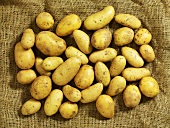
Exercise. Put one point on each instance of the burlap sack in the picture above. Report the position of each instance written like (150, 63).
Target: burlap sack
(17, 15)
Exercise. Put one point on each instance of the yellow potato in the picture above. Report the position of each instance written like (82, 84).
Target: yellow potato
(41, 87)
(117, 65)
(50, 44)
(128, 20)
(105, 106)
(132, 57)
(101, 38)
(85, 77)
(53, 102)
(131, 96)
(66, 71)
(28, 39)
(142, 36)
(71, 93)
(123, 36)
(134, 74)
(74, 52)
(147, 52)
(100, 19)
(103, 55)
(91, 93)
(30, 107)
(116, 86)
(68, 24)
(83, 41)
(24, 58)
(26, 76)
(149, 86)
(102, 73)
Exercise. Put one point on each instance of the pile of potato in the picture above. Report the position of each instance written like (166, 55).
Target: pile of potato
(85, 65)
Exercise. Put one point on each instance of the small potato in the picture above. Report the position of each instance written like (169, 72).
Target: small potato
(101, 38)
(71, 93)
(105, 106)
(74, 52)
(83, 41)
(41, 87)
(132, 57)
(68, 24)
(51, 63)
(128, 20)
(142, 36)
(28, 39)
(50, 44)
(85, 77)
(103, 55)
(24, 58)
(131, 96)
(149, 86)
(116, 86)
(117, 65)
(100, 19)
(102, 73)
(30, 107)
(53, 102)
(147, 52)
(44, 21)
(26, 76)
(134, 74)
(123, 36)
(66, 71)
(68, 110)
(91, 93)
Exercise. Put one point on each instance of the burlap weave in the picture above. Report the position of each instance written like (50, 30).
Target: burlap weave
(17, 15)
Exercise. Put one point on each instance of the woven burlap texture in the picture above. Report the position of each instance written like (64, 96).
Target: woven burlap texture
(17, 15)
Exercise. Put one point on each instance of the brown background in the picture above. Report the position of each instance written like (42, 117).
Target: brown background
(17, 15)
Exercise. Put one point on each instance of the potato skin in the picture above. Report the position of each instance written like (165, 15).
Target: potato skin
(100, 19)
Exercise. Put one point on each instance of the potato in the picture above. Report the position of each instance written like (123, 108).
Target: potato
(71, 93)
(83, 41)
(102, 73)
(53, 102)
(105, 106)
(147, 52)
(103, 55)
(74, 52)
(142, 36)
(117, 65)
(44, 21)
(132, 57)
(66, 71)
(123, 36)
(100, 19)
(30, 107)
(68, 24)
(50, 44)
(68, 110)
(134, 74)
(51, 63)
(24, 58)
(149, 86)
(128, 20)
(91, 93)
(26, 76)
(131, 96)
(101, 38)
(85, 77)
(116, 86)
(41, 87)
(28, 39)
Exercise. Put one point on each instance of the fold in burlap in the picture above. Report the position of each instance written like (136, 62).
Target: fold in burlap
(17, 15)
